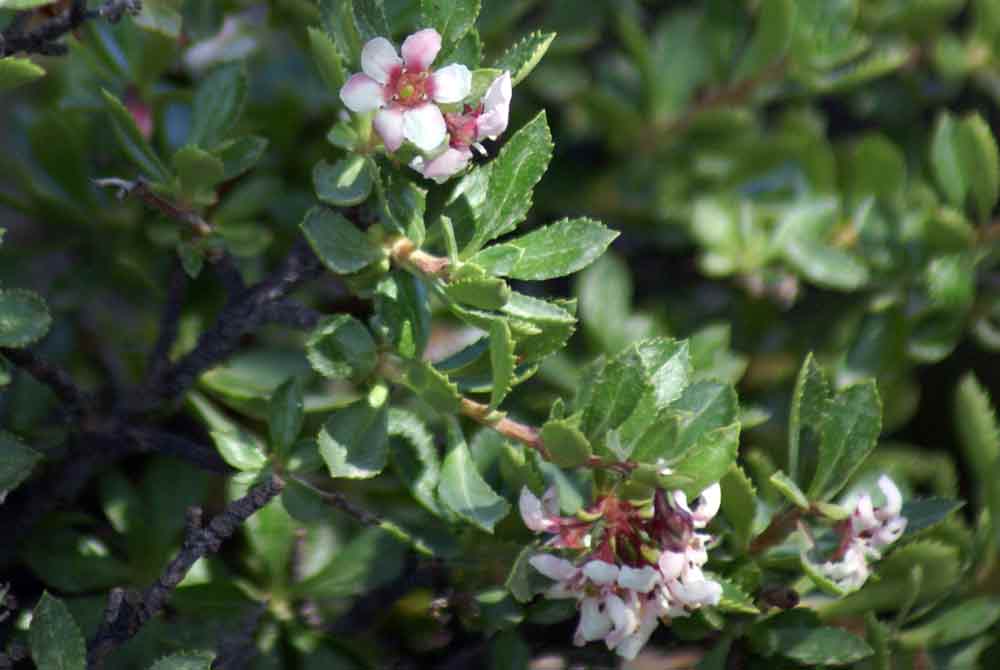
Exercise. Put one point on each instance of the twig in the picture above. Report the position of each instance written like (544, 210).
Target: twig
(336, 499)
(149, 439)
(237, 649)
(42, 40)
(76, 401)
(159, 358)
(123, 619)
(140, 188)
(781, 525)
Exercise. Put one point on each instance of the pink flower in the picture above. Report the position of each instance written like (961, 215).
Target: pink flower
(467, 129)
(404, 90)
(540, 515)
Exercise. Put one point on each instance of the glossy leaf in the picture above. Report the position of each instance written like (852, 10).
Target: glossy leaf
(522, 58)
(557, 250)
(850, 431)
(24, 318)
(341, 348)
(16, 72)
(566, 445)
(55, 638)
(451, 18)
(354, 441)
(286, 415)
(131, 141)
(16, 463)
(463, 490)
(337, 242)
(502, 362)
(218, 105)
(345, 183)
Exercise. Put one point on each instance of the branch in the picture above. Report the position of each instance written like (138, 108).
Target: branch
(123, 618)
(42, 40)
(140, 188)
(76, 401)
(159, 358)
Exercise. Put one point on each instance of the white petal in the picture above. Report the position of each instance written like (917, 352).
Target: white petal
(451, 84)
(671, 564)
(864, 515)
(889, 533)
(361, 93)
(529, 505)
(550, 501)
(496, 108)
(553, 567)
(594, 620)
(388, 124)
(681, 501)
(424, 126)
(709, 502)
(624, 618)
(893, 498)
(641, 580)
(633, 644)
(421, 48)
(600, 572)
(441, 168)
(379, 59)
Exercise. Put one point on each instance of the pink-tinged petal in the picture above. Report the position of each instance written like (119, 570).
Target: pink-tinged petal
(424, 126)
(553, 567)
(420, 49)
(496, 109)
(624, 617)
(640, 580)
(388, 124)
(889, 533)
(633, 644)
(550, 501)
(451, 84)
(671, 564)
(361, 93)
(594, 622)
(600, 572)
(864, 515)
(379, 59)
(441, 168)
(532, 511)
(707, 506)
(893, 498)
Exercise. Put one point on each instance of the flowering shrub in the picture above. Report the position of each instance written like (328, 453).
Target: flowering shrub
(315, 354)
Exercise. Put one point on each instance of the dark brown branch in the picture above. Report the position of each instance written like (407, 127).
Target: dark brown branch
(124, 616)
(338, 500)
(170, 319)
(76, 401)
(42, 40)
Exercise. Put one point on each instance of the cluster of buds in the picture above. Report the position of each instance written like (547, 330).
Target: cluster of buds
(864, 535)
(415, 104)
(635, 566)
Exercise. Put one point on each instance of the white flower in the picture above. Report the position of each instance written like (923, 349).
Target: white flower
(600, 572)
(540, 515)
(706, 504)
(624, 617)
(553, 567)
(649, 619)
(595, 623)
(640, 580)
(404, 90)
(851, 571)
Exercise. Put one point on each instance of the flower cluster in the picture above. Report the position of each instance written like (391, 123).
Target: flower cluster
(635, 566)
(864, 535)
(413, 103)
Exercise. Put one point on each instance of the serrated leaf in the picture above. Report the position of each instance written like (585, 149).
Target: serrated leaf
(16, 463)
(707, 461)
(490, 293)
(566, 445)
(977, 149)
(463, 490)
(809, 403)
(522, 58)
(850, 431)
(341, 348)
(979, 436)
(186, 660)
(354, 441)
(287, 412)
(451, 18)
(788, 488)
(822, 646)
(402, 313)
(347, 182)
(502, 362)
(433, 386)
(24, 318)
(337, 242)
(415, 457)
(327, 59)
(16, 72)
(55, 638)
(370, 19)
(217, 106)
(131, 141)
(734, 599)
(239, 449)
(968, 619)
(739, 504)
(562, 248)
(515, 171)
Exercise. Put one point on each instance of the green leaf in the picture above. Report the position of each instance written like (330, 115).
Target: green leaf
(16, 463)
(161, 16)
(370, 19)
(520, 164)
(240, 155)
(488, 293)
(923, 514)
(708, 460)
(23, 4)
(968, 619)
(522, 58)
(135, 146)
(739, 504)
(451, 18)
(199, 173)
(354, 441)
(802, 239)
(218, 104)
(346, 183)
(979, 436)
(403, 205)
(370, 559)
(342, 348)
(771, 39)
(286, 415)
(415, 457)
(239, 449)
(946, 161)
(432, 386)
(850, 431)
(402, 313)
(55, 638)
(788, 488)
(185, 660)
(977, 149)
(327, 59)
(24, 318)
(734, 599)
(562, 248)
(338, 243)
(16, 72)
(809, 403)
(821, 646)
(463, 490)
(566, 445)
(502, 362)
(525, 582)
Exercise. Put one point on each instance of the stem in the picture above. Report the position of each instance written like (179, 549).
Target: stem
(780, 527)
(42, 40)
(57, 379)
(140, 187)
(404, 252)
